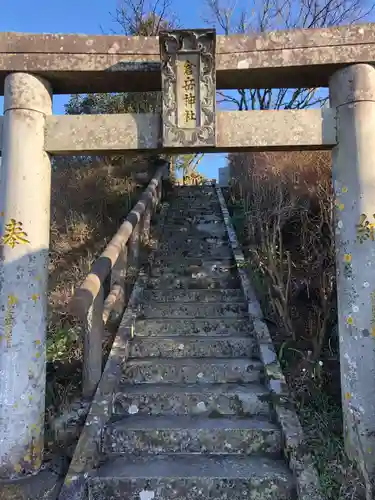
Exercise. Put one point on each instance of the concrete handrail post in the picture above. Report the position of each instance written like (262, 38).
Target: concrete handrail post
(133, 257)
(146, 226)
(134, 245)
(352, 93)
(118, 279)
(92, 350)
(118, 273)
(155, 200)
(159, 193)
(24, 245)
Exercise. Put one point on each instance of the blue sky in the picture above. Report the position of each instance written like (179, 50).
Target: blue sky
(91, 17)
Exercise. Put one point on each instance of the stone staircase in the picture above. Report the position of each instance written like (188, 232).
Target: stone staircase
(192, 417)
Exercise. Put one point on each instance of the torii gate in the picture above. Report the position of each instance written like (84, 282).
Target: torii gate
(193, 65)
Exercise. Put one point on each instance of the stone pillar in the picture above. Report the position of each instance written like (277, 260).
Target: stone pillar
(352, 93)
(24, 232)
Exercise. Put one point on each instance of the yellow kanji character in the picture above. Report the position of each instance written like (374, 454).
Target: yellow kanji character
(189, 115)
(14, 234)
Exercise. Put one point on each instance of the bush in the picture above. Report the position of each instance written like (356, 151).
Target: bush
(287, 228)
(282, 207)
(90, 199)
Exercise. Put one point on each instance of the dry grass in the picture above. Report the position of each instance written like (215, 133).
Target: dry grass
(288, 205)
(89, 201)
(282, 205)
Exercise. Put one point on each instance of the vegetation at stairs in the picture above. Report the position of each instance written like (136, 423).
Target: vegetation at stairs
(282, 206)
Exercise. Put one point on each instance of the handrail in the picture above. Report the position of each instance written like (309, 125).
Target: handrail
(119, 260)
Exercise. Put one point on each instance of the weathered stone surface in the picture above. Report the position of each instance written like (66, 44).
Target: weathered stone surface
(193, 347)
(248, 131)
(353, 95)
(24, 241)
(219, 477)
(215, 248)
(197, 247)
(191, 371)
(204, 207)
(198, 218)
(196, 281)
(193, 205)
(191, 310)
(86, 63)
(43, 486)
(79, 133)
(178, 238)
(192, 327)
(187, 251)
(188, 87)
(205, 271)
(186, 434)
(223, 295)
(277, 130)
(196, 231)
(195, 399)
(195, 265)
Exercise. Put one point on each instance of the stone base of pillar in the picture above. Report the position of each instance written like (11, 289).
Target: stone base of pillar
(45, 485)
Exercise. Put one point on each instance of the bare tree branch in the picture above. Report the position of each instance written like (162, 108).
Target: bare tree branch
(263, 15)
(143, 17)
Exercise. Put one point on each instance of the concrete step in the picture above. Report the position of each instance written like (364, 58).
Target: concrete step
(201, 251)
(203, 267)
(187, 477)
(195, 196)
(194, 201)
(195, 399)
(191, 211)
(196, 204)
(193, 347)
(207, 296)
(183, 219)
(193, 310)
(179, 242)
(192, 196)
(195, 189)
(193, 240)
(224, 327)
(197, 281)
(198, 224)
(194, 249)
(191, 190)
(203, 230)
(192, 370)
(193, 264)
(192, 434)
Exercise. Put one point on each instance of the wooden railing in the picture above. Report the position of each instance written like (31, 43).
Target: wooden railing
(119, 263)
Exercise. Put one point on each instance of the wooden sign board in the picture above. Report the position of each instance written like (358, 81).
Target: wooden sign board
(188, 88)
